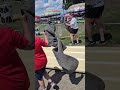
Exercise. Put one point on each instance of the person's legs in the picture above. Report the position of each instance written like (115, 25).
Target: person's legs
(47, 77)
(77, 38)
(101, 27)
(88, 28)
(42, 84)
(39, 75)
(72, 38)
(49, 80)
(75, 35)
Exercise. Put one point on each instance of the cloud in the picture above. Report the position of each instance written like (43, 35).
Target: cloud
(41, 5)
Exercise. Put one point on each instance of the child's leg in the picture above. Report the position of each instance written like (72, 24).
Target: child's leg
(72, 37)
(49, 80)
(47, 77)
(42, 84)
(77, 37)
(39, 75)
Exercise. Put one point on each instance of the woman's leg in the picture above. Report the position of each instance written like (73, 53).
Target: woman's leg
(101, 28)
(88, 28)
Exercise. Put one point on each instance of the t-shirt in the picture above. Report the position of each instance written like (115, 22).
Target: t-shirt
(95, 3)
(74, 23)
(13, 75)
(40, 57)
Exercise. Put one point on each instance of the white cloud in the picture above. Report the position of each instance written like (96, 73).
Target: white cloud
(55, 4)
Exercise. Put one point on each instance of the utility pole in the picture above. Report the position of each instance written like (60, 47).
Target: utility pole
(63, 7)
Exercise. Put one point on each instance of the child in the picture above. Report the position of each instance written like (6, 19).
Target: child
(40, 62)
(13, 74)
(68, 19)
(74, 29)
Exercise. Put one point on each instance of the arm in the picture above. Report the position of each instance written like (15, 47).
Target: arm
(45, 37)
(69, 24)
(27, 33)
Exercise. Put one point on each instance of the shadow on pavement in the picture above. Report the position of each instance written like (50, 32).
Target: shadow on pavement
(75, 80)
(58, 76)
(93, 82)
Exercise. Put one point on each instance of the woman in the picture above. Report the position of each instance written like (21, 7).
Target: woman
(93, 14)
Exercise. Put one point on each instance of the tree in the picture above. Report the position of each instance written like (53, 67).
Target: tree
(68, 3)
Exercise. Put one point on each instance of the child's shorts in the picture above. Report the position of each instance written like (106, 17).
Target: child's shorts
(73, 31)
(40, 73)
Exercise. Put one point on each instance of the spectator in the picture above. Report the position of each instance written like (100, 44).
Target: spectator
(93, 14)
(74, 29)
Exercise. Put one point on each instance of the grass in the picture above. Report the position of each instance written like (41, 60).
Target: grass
(113, 29)
(111, 14)
(65, 34)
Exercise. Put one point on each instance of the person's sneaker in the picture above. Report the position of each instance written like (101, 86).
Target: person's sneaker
(77, 43)
(91, 43)
(71, 44)
(41, 88)
(53, 85)
(103, 42)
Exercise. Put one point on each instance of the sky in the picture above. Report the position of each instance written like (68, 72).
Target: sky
(42, 5)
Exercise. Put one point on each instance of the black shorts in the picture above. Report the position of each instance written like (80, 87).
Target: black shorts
(40, 73)
(93, 12)
(73, 31)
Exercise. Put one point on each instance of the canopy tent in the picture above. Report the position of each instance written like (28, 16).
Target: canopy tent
(37, 17)
(77, 7)
(49, 13)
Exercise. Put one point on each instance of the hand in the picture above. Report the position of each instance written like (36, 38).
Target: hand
(66, 23)
(24, 18)
(43, 33)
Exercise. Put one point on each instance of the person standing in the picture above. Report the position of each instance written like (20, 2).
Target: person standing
(67, 19)
(74, 29)
(40, 62)
(93, 15)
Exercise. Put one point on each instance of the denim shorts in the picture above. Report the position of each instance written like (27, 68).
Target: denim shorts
(40, 73)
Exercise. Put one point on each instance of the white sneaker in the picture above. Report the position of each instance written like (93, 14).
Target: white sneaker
(52, 84)
(41, 88)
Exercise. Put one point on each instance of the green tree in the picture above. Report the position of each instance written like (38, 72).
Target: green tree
(68, 3)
